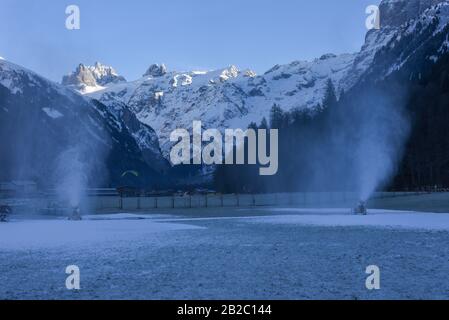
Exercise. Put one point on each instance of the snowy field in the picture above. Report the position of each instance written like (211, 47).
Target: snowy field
(228, 254)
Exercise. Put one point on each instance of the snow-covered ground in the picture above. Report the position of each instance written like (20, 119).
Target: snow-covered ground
(228, 254)
(43, 234)
(376, 218)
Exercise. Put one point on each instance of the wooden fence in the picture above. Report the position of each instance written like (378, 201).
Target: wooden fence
(305, 199)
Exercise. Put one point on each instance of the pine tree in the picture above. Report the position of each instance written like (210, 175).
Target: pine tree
(330, 99)
(264, 124)
(276, 117)
(253, 126)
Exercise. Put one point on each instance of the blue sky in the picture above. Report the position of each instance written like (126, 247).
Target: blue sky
(197, 34)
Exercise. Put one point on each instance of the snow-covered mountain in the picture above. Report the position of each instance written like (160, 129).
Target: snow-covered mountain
(226, 98)
(40, 120)
(233, 98)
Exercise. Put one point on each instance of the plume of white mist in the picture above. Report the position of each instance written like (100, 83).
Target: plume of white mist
(71, 176)
(383, 134)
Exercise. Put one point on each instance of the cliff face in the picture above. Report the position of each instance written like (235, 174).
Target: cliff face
(394, 13)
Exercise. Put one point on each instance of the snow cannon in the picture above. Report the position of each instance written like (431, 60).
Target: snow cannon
(76, 214)
(360, 209)
(5, 211)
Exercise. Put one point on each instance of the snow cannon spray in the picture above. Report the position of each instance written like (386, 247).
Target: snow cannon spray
(76, 214)
(360, 209)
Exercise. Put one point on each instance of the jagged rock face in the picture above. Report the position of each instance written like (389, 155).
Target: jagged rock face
(417, 44)
(156, 70)
(81, 76)
(394, 16)
(396, 12)
(105, 75)
(91, 78)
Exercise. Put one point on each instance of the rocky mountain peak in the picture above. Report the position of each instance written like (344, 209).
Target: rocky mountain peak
(85, 77)
(156, 70)
(229, 73)
(105, 75)
(82, 75)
